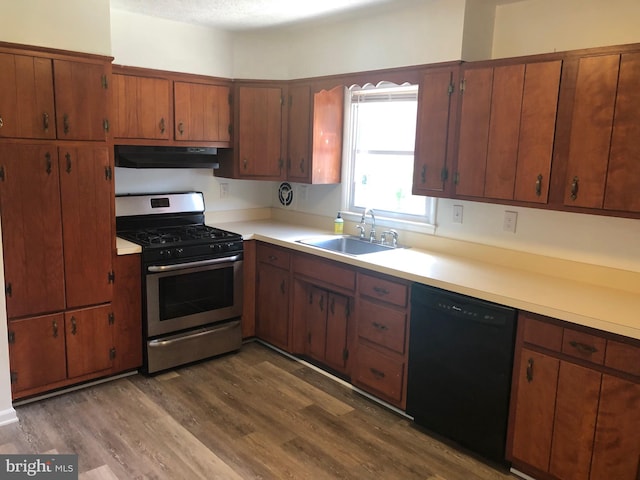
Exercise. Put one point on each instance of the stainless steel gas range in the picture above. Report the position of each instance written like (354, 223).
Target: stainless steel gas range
(191, 278)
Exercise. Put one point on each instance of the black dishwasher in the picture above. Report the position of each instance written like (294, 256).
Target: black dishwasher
(460, 361)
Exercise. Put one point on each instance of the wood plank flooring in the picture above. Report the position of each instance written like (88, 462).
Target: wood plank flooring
(251, 415)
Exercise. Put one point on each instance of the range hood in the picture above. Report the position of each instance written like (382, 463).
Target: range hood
(135, 156)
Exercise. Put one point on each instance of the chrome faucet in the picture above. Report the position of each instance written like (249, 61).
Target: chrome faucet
(372, 232)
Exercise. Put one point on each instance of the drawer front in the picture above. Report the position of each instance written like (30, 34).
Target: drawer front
(382, 325)
(378, 374)
(623, 357)
(583, 345)
(540, 333)
(385, 290)
(326, 271)
(277, 257)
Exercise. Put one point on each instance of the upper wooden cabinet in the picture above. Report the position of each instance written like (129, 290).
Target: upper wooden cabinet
(315, 135)
(81, 100)
(26, 97)
(604, 145)
(141, 107)
(506, 131)
(202, 112)
(157, 107)
(259, 132)
(31, 83)
(437, 101)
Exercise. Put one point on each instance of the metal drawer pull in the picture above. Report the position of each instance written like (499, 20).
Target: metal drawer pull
(379, 326)
(381, 290)
(539, 185)
(45, 121)
(377, 373)
(530, 370)
(74, 326)
(55, 329)
(184, 266)
(583, 347)
(273, 258)
(574, 188)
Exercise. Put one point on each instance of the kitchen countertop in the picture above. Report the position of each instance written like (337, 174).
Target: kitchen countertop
(577, 300)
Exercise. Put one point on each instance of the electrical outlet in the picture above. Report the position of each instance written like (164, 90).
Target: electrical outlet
(510, 220)
(457, 214)
(303, 193)
(224, 190)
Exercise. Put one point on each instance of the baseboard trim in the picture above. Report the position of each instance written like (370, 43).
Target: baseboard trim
(8, 416)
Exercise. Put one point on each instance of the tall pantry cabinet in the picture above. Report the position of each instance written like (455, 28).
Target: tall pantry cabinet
(56, 194)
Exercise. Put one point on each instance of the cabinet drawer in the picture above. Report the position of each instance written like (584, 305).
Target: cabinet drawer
(385, 290)
(382, 325)
(275, 256)
(541, 333)
(584, 346)
(326, 271)
(378, 373)
(623, 357)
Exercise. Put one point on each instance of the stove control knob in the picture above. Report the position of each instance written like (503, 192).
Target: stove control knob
(178, 252)
(165, 253)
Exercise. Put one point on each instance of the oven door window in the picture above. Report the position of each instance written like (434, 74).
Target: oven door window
(193, 293)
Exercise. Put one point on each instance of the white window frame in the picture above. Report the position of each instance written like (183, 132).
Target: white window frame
(414, 223)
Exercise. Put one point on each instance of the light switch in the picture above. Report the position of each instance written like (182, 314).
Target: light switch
(457, 214)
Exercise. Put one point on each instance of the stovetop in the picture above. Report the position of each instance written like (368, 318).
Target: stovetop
(178, 235)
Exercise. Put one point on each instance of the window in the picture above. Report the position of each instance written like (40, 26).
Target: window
(381, 131)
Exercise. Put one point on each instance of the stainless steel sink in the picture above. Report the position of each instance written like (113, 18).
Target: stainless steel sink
(346, 244)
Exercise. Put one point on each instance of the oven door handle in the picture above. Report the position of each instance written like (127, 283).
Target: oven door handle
(182, 266)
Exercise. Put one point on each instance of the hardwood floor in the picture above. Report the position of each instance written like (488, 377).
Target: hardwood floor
(251, 415)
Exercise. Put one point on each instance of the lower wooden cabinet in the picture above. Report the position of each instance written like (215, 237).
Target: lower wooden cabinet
(380, 354)
(127, 310)
(272, 295)
(326, 317)
(576, 403)
(53, 351)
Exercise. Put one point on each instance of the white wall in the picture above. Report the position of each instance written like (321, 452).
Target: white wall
(149, 42)
(413, 33)
(540, 26)
(78, 25)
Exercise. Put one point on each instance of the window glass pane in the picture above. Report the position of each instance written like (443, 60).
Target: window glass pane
(383, 132)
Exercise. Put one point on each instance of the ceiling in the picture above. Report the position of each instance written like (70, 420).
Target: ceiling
(237, 15)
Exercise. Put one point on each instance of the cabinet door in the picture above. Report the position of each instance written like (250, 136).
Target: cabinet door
(260, 132)
(31, 229)
(623, 178)
(534, 409)
(86, 192)
(202, 112)
(326, 156)
(537, 131)
(127, 310)
(316, 322)
(37, 352)
(575, 421)
(338, 312)
(81, 100)
(474, 132)
(272, 306)
(591, 127)
(504, 131)
(89, 336)
(299, 151)
(431, 166)
(141, 107)
(616, 451)
(26, 97)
